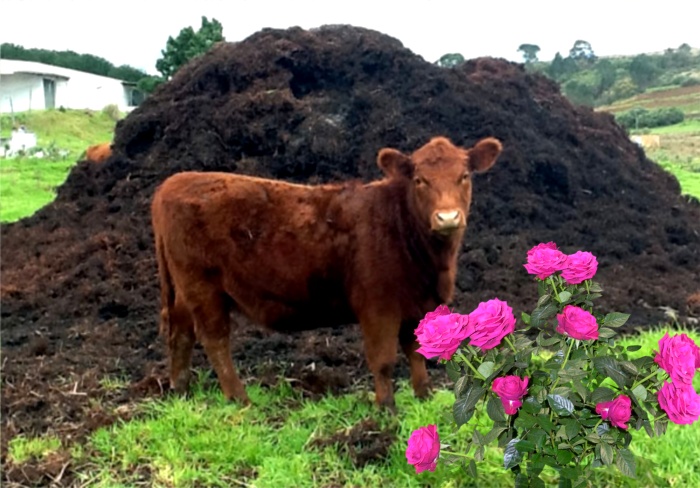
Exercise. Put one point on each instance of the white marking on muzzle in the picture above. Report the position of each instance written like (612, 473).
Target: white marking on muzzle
(448, 219)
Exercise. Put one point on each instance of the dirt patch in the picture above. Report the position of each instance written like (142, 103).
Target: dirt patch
(79, 292)
(364, 443)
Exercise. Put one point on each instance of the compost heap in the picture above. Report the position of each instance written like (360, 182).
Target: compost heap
(79, 286)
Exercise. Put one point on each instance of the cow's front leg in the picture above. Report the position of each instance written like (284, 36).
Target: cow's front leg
(419, 374)
(381, 337)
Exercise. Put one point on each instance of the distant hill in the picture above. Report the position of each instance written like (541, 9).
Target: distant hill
(685, 98)
(601, 81)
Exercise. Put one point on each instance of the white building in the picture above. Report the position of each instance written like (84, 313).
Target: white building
(27, 85)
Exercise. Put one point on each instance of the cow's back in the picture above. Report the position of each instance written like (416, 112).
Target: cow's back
(279, 250)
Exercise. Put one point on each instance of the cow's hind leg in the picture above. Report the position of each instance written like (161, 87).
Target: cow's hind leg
(213, 326)
(419, 374)
(380, 340)
(180, 343)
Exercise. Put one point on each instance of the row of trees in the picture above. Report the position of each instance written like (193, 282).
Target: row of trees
(178, 51)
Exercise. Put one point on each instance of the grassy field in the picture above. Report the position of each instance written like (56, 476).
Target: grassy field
(685, 98)
(282, 441)
(27, 183)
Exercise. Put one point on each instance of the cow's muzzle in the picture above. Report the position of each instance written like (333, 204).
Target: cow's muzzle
(447, 221)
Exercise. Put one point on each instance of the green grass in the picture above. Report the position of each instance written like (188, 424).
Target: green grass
(27, 183)
(205, 441)
(21, 448)
(687, 126)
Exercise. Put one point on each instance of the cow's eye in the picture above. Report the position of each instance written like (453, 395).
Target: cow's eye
(419, 181)
(464, 178)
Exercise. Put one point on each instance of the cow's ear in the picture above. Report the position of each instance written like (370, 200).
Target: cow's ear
(394, 163)
(484, 153)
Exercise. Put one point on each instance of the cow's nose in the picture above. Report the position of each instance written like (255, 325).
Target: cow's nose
(448, 219)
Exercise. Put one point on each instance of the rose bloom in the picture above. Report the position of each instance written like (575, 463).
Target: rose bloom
(423, 448)
(492, 321)
(617, 411)
(680, 402)
(442, 335)
(579, 267)
(510, 389)
(577, 323)
(545, 259)
(679, 356)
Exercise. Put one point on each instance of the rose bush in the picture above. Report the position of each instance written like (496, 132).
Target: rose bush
(560, 390)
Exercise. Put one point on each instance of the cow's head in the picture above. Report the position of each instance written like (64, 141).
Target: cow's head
(438, 179)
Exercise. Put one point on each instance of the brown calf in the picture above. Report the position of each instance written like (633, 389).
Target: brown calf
(99, 152)
(294, 257)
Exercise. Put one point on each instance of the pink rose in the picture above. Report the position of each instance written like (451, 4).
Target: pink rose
(579, 267)
(442, 335)
(423, 448)
(618, 411)
(679, 356)
(680, 402)
(510, 389)
(544, 259)
(492, 321)
(577, 323)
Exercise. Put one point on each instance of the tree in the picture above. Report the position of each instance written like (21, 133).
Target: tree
(582, 50)
(529, 52)
(643, 70)
(187, 45)
(561, 67)
(608, 74)
(450, 60)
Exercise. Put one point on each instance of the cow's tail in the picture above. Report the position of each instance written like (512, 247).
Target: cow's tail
(167, 290)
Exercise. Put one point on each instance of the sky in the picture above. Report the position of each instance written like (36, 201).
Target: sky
(134, 32)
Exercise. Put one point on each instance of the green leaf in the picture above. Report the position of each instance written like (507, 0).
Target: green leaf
(606, 333)
(525, 318)
(580, 389)
(602, 394)
(606, 453)
(660, 427)
(454, 371)
(531, 405)
(471, 469)
(525, 421)
(615, 319)
(564, 296)
(486, 368)
(626, 463)
(544, 422)
(521, 481)
(548, 342)
(493, 434)
(640, 393)
(541, 314)
(633, 348)
(463, 408)
(537, 483)
(478, 438)
(595, 287)
(564, 457)
(561, 406)
(570, 473)
(494, 408)
(538, 436)
(511, 456)
(647, 428)
(610, 367)
(542, 301)
(525, 446)
(479, 453)
(571, 427)
(461, 385)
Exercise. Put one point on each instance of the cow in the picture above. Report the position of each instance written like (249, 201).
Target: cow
(99, 152)
(292, 257)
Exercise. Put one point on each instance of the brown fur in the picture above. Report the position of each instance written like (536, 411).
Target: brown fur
(99, 152)
(296, 256)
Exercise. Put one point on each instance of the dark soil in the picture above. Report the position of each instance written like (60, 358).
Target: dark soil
(79, 287)
(364, 442)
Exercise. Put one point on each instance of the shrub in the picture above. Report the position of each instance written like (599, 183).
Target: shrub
(563, 395)
(112, 111)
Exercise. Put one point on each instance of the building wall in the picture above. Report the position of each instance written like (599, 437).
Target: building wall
(21, 92)
(22, 82)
